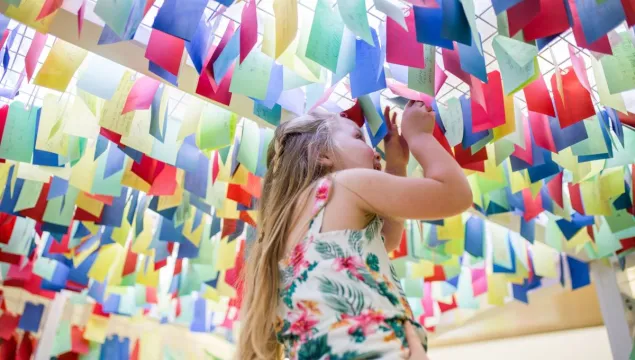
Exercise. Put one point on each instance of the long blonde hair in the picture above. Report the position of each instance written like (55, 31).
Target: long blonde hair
(293, 165)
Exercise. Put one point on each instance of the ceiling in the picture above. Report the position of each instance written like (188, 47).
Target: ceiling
(486, 22)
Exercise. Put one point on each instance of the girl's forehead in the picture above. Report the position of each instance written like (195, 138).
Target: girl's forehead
(348, 125)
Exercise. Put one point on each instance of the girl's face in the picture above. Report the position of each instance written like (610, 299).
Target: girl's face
(351, 147)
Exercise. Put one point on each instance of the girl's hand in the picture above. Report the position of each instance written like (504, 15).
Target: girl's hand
(417, 119)
(414, 344)
(397, 151)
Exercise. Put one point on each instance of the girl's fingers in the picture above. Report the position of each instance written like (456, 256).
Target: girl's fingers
(411, 335)
(414, 343)
(410, 103)
(387, 116)
(394, 119)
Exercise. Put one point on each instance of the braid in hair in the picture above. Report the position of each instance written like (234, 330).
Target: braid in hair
(278, 148)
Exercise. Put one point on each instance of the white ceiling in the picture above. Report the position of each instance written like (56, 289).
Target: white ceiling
(485, 21)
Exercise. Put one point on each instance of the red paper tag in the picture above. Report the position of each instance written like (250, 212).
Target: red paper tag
(165, 182)
(575, 104)
(134, 355)
(165, 50)
(521, 14)
(248, 29)
(402, 46)
(438, 275)
(25, 350)
(533, 206)
(402, 250)
(465, 157)
(222, 95)
(355, 113)
(576, 198)
(78, 344)
(555, 189)
(552, 19)
(493, 115)
(244, 216)
(7, 222)
(8, 348)
(49, 7)
(8, 324)
(452, 64)
(538, 98)
(237, 193)
(542, 131)
(253, 187)
(229, 226)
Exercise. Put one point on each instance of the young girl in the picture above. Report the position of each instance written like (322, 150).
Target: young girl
(319, 282)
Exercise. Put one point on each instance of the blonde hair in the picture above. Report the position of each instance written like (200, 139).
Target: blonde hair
(293, 166)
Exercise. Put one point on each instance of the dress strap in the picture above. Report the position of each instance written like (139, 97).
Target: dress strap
(321, 197)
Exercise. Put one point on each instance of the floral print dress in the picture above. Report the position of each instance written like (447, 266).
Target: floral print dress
(340, 297)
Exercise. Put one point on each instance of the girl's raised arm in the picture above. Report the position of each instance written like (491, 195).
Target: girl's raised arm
(443, 192)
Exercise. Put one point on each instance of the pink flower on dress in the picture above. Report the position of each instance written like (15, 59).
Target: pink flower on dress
(303, 325)
(297, 260)
(351, 264)
(321, 196)
(322, 192)
(367, 321)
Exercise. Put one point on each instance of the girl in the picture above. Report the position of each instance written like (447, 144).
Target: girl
(318, 279)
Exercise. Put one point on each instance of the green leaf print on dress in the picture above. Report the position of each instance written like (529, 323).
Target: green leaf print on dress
(329, 250)
(341, 298)
(355, 241)
(314, 349)
(372, 261)
(356, 355)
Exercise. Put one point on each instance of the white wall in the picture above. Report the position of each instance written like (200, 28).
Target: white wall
(582, 344)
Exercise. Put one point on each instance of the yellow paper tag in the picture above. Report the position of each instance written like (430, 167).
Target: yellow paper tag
(452, 229)
(510, 121)
(104, 261)
(88, 204)
(592, 199)
(27, 12)
(111, 117)
(96, 328)
(50, 137)
(544, 260)
(60, 65)
(420, 269)
(84, 170)
(496, 289)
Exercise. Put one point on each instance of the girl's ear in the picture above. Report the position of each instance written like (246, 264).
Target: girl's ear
(326, 160)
